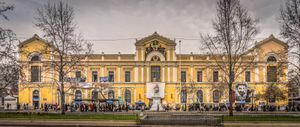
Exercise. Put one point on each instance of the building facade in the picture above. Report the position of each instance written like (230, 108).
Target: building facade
(182, 78)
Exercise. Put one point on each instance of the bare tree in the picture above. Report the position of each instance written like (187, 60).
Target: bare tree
(290, 30)
(9, 73)
(67, 48)
(234, 30)
(272, 93)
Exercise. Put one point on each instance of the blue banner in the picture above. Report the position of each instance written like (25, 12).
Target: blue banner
(36, 99)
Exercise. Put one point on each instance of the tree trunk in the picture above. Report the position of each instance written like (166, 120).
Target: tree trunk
(299, 56)
(230, 100)
(62, 90)
(62, 98)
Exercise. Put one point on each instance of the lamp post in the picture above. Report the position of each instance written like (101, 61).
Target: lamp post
(180, 74)
(252, 96)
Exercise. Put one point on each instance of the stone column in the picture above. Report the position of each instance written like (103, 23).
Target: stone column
(148, 74)
(142, 75)
(119, 73)
(175, 74)
(136, 74)
(256, 74)
(163, 74)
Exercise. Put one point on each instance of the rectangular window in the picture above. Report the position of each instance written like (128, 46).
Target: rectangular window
(111, 76)
(78, 76)
(215, 76)
(183, 76)
(94, 76)
(271, 74)
(155, 74)
(127, 76)
(247, 76)
(35, 74)
(199, 76)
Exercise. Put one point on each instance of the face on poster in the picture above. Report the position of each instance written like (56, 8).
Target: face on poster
(241, 93)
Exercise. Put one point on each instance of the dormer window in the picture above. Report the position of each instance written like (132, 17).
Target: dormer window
(271, 59)
(35, 58)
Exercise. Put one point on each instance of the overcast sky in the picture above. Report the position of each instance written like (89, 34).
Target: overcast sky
(103, 21)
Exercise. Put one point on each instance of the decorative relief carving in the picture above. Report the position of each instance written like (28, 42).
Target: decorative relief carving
(155, 46)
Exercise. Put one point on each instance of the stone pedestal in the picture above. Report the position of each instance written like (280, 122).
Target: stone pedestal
(156, 106)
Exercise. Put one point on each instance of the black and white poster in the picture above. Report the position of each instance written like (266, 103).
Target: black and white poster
(242, 93)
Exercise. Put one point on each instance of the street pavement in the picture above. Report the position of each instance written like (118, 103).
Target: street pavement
(282, 113)
(116, 123)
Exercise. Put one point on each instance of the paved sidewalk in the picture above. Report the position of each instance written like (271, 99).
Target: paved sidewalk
(68, 123)
(122, 123)
(182, 112)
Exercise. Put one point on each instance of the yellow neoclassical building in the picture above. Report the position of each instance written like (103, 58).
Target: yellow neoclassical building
(131, 78)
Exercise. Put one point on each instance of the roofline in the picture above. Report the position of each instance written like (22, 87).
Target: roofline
(112, 54)
(153, 36)
(271, 37)
(34, 37)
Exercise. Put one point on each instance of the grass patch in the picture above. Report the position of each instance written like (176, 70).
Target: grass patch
(49, 116)
(37, 116)
(261, 118)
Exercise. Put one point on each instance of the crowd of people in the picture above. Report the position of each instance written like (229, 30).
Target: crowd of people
(115, 107)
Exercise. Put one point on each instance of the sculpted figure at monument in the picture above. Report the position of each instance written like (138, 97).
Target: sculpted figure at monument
(156, 89)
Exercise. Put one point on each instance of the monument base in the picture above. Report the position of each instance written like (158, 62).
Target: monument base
(156, 106)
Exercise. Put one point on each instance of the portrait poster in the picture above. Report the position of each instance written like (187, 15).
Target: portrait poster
(242, 93)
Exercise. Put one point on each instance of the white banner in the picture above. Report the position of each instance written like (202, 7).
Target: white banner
(153, 91)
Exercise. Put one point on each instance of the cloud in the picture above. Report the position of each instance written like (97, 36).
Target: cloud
(120, 19)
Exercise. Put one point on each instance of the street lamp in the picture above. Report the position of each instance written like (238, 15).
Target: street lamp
(252, 96)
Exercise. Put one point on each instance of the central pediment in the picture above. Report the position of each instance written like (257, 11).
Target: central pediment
(155, 36)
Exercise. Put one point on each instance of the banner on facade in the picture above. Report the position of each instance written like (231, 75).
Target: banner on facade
(155, 88)
(85, 85)
(104, 79)
(242, 93)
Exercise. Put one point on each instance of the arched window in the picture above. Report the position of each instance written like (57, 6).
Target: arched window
(111, 94)
(200, 96)
(78, 95)
(183, 96)
(35, 98)
(271, 59)
(128, 96)
(271, 69)
(271, 74)
(94, 95)
(35, 58)
(35, 74)
(216, 96)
